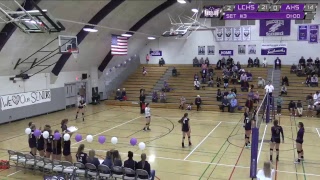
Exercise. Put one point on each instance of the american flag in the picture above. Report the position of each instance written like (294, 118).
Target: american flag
(119, 45)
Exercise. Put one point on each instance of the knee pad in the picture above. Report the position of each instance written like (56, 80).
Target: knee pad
(271, 149)
(299, 152)
(277, 149)
(189, 137)
(82, 113)
(183, 137)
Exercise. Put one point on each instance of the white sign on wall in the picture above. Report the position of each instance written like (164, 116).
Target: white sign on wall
(25, 99)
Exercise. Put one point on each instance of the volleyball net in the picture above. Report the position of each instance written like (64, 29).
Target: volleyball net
(264, 113)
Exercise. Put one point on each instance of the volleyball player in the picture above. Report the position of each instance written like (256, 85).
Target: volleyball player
(247, 127)
(56, 150)
(48, 144)
(299, 142)
(67, 148)
(147, 113)
(276, 130)
(186, 130)
(81, 106)
(32, 140)
(64, 126)
(40, 142)
(81, 156)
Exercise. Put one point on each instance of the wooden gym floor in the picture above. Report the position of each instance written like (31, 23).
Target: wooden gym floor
(217, 151)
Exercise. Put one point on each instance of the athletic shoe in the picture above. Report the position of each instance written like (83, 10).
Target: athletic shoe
(297, 162)
(182, 145)
(148, 129)
(190, 144)
(144, 129)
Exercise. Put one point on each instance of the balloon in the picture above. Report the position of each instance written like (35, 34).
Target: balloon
(133, 141)
(37, 133)
(78, 137)
(89, 138)
(66, 137)
(57, 136)
(114, 140)
(45, 134)
(102, 139)
(27, 131)
(142, 146)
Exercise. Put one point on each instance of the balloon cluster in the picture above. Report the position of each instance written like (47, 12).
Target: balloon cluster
(123, 64)
(78, 138)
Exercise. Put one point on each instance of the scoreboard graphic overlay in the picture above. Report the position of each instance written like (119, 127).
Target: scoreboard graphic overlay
(251, 11)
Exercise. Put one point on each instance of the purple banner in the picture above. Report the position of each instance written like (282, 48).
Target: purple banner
(211, 12)
(262, 15)
(273, 49)
(302, 33)
(226, 52)
(313, 33)
(155, 53)
(275, 27)
(292, 7)
(254, 152)
(246, 7)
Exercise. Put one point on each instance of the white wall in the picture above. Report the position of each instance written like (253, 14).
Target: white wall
(177, 51)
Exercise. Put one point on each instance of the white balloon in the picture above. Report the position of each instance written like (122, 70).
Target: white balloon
(114, 140)
(66, 137)
(28, 131)
(89, 138)
(142, 146)
(45, 134)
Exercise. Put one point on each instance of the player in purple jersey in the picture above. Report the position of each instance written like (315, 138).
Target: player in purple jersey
(299, 142)
(276, 130)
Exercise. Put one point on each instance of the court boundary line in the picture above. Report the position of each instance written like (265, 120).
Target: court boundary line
(14, 173)
(318, 132)
(202, 140)
(261, 144)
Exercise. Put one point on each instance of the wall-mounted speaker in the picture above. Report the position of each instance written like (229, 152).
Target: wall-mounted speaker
(84, 76)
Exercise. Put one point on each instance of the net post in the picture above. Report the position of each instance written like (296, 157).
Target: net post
(268, 108)
(254, 152)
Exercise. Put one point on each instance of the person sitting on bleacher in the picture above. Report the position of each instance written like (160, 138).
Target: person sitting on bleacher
(302, 62)
(124, 94)
(207, 62)
(261, 82)
(196, 62)
(277, 63)
(231, 95)
(196, 84)
(118, 95)
(182, 102)
(203, 78)
(256, 62)
(210, 71)
(299, 108)
(161, 62)
(249, 76)
(225, 103)
(250, 62)
(310, 105)
(235, 69)
(204, 72)
(293, 68)
(198, 102)
(230, 61)
(285, 81)
(233, 104)
(284, 90)
(219, 65)
(234, 78)
(223, 62)
(204, 66)
(166, 87)
(218, 81)
(163, 97)
(243, 77)
(317, 62)
(174, 72)
(195, 76)
(155, 96)
(308, 81)
(210, 82)
(292, 108)
(264, 62)
(144, 71)
(309, 61)
(225, 93)
(314, 81)
(234, 90)
(238, 65)
(316, 98)
(144, 164)
(201, 61)
(245, 86)
(225, 81)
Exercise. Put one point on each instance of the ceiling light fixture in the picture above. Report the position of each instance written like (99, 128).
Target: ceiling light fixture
(181, 1)
(250, 2)
(126, 35)
(90, 30)
(194, 10)
(151, 38)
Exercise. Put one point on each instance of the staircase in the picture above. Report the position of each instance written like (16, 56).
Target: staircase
(276, 81)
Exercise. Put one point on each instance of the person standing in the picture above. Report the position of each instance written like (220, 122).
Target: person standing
(81, 108)
(267, 173)
(198, 101)
(247, 127)
(276, 130)
(148, 117)
(299, 142)
(279, 105)
(142, 99)
(147, 58)
(186, 130)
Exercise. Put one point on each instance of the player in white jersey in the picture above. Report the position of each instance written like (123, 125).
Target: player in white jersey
(148, 117)
(81, 107)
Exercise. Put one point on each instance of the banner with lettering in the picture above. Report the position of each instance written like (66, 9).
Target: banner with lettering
(275, 27)
(237, 34)
(226, 52)
(24, 99)
(219, 34)
(155, 53)
(228, 34)
(246, 33)
(303, 33)
(313, 33)
(273, 49)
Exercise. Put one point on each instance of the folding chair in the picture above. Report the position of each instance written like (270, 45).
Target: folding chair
(117, 172)
(21, 159)
(57, 167)
(91, 170)
(30, 161)
(39, 163)
(79, 169)
(104, 171)
(129, 174)
(142, 173)
(13, 156)
(48, 166)
(67, 168)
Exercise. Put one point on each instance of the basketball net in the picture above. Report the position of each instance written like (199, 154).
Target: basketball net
(74, 53)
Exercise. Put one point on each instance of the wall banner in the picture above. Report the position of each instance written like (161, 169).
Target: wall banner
(275, 27)
(303, 33)
(228, 34)
(219, 34)
(273, 49)
(313, 33)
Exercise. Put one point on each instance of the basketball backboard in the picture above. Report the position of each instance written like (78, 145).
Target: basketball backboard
(68, 44)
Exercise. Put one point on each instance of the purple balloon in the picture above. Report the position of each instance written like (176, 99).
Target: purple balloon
(37, 133)
(78, 137)
(102, 139)
(57, 136)
(133, 141)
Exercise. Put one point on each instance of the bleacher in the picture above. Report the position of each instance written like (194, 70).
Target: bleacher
(182, 85)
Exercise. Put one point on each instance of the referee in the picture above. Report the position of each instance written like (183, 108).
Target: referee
(269, 89)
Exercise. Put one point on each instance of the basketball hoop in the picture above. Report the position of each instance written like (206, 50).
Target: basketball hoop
(74, 52)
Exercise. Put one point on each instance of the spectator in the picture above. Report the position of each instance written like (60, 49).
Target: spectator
(144, 71)
(142, 90)
(251, 94)
(235, 69)
(256, 97)
(203, 77)
(250, 62)
(218, 81)
(219, 65)
(130, 163)
(147, 58)
(277, 63)
(225, 93)
(81, 156)
(231, 95)
(309, 61)
(284, 90)
(142, 99)
(225, 81)
(234, 77)
(264, 62)
(225, 103)
(234, 90)
(204, 66)
(292, 108)
(201, 61)
(118, 95)
(163, 97)
(238, 65)
(196, 84)
(207, 62)
(182, 102)
(249, 104)
(299, 108)
(302, 62)
(108, 160)
(174, 72)
(285, 81)
(210, 82)
(195, 77)
(124, 94)
(155, 96)
(230, 61)
(269, 88)
(143, 164)
(245, 86)
(198, 102)
(223, 62)
(317, 62)
(316, 97)
(219, 95)
(92, 159)
(196, 62)
(249, 76)
(166, 87)
(261, 82)
(293, 68)
(310, 105)
(308, 81)
(161, 62)
(211, 72)
(233, 104)
(243, 77)
(116, 158)
(256, 62)
(314, 81)
(279, 105)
